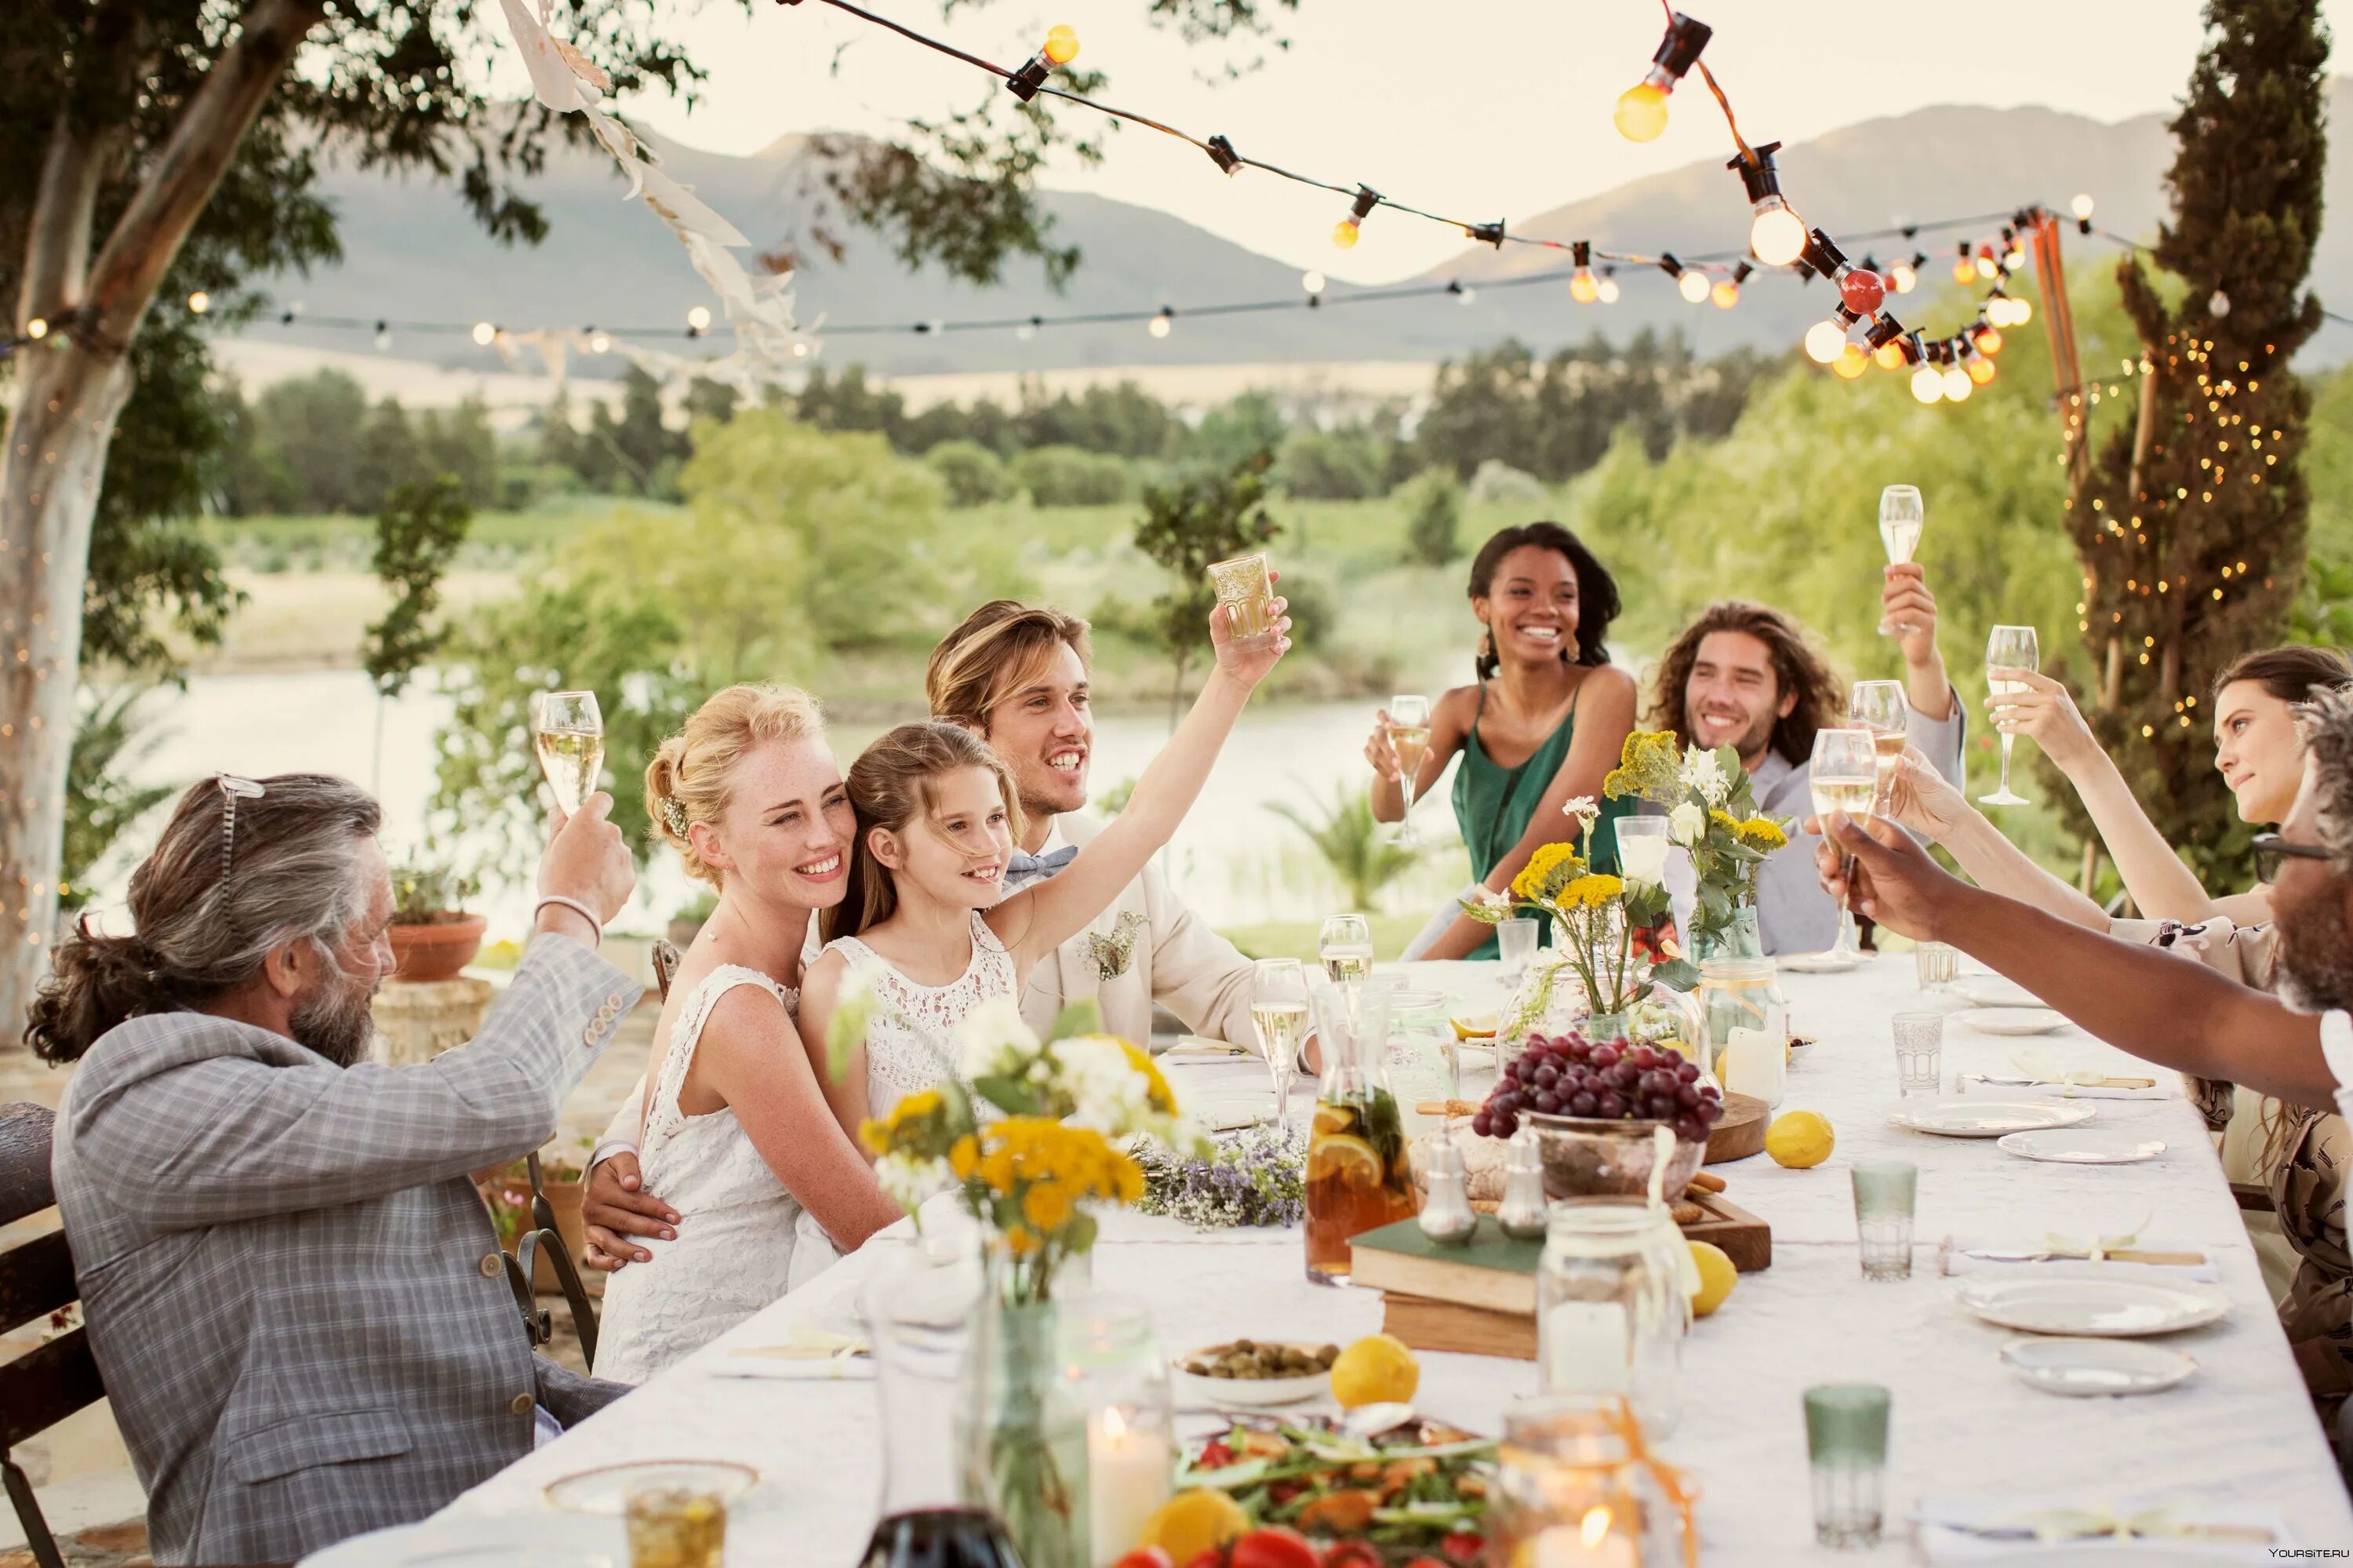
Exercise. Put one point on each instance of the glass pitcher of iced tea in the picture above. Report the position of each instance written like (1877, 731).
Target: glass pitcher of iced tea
(1357, 1177)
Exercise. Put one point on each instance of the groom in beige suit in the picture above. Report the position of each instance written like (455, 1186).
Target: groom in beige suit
(1016, 675)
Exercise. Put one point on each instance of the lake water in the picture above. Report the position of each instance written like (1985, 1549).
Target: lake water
(1234, 861)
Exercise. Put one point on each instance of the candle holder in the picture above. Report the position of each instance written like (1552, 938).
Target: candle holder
(1113, 1367)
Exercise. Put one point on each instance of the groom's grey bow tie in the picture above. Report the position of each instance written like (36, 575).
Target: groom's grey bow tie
(1039, 867)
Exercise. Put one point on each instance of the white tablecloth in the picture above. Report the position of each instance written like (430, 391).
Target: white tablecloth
(2240, 1429)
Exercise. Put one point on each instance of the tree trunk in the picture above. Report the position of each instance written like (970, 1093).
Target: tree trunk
(67, 401)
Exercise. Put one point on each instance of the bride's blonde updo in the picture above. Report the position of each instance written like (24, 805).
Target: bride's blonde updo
(692, 776)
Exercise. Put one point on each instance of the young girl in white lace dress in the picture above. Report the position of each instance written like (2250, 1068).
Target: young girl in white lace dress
(735, 1132)
(927, 916)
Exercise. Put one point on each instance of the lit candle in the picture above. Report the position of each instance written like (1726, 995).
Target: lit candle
(1756, 1063)
(1127, 1479)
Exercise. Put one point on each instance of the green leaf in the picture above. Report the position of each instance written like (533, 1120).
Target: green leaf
(1079, 1018)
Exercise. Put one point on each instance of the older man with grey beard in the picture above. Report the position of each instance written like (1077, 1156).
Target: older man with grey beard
(291, 1287)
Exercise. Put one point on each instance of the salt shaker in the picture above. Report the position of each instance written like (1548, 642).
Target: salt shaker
(1524, 1213)
(1446, 1216)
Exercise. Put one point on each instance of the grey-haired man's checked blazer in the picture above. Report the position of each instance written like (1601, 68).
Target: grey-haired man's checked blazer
(290, 1283)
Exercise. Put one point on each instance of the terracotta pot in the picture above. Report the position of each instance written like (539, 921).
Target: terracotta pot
(435, 952)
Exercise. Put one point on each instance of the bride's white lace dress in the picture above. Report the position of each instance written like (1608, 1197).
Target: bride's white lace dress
(898, 1061)
(743, 1239)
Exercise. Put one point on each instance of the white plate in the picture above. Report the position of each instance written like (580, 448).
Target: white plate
(1823, 963)
(2012, 1020)
(2086, 1304)
(485, 1541)
(2082, 1146)
(1967, 1116)
(2087, 1369)
(1225, 1392)
(1994, 991)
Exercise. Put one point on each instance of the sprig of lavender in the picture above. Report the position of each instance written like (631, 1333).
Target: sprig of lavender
(1255, 1177)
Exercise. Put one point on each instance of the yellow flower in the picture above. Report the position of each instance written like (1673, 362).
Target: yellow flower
(1549, 870)
(1762, 833)
(1591, 892)
(1046, 1205)
(963, 1156)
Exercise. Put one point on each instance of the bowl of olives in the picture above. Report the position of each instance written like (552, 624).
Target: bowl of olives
(1255, 1371)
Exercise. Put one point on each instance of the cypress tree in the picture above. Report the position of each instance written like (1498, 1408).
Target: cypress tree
(2190, 524)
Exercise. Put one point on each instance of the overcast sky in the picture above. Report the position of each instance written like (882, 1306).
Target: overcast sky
(1485, 108)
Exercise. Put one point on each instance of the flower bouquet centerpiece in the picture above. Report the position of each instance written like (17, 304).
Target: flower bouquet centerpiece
(1026, 1133)
(1712, 813)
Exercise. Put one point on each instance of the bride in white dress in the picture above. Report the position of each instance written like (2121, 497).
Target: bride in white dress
(927, 918)
(734, 1131)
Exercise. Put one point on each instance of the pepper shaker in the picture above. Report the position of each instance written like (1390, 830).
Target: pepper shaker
(1524, 1215)
(1446, 1216)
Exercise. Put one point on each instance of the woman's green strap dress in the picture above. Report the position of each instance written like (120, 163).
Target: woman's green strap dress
(1494, 803)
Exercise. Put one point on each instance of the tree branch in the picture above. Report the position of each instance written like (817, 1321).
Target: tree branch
(171, 197)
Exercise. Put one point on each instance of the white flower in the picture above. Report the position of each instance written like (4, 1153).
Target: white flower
(997, 1043)
(1702, 772)
(1583, 809)
(1687, 825)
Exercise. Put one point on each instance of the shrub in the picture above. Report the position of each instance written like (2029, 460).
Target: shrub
(1069, 476)
(1499, 483)
(1432, 502)
(973, 475)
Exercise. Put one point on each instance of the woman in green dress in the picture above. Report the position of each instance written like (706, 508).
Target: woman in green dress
(1544, 723)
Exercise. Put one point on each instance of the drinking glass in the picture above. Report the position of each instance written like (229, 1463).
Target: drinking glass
(1345, 946)
(1515, 944)
(675, 1527)
(1919, 1054)
(568, 732)
(1937, 964)
(1244, 589)
(1279, 1011)
(1901, 518)
(1844, 776)
(1846, 1438)
(2010, 647)
(1409, 738)
(1884, 1190)
(1642, 849)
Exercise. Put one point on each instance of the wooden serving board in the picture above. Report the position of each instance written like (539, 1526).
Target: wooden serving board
(1741, 1133)
(1747, 1240)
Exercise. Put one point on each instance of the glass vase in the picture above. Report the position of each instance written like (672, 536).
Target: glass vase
(1021, 1427)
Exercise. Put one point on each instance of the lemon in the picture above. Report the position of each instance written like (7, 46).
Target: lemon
(1194, 1521)
(1800, 1139)
(1344, 1157)
(1376, 1370)
(1716, 1278)
(1477, 1026)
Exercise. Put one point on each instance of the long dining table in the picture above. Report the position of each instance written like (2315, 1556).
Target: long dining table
(2240, 1432)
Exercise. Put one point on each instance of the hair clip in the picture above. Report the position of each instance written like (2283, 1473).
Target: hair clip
(233, 789)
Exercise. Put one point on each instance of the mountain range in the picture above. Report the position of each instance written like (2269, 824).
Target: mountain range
(412, 253)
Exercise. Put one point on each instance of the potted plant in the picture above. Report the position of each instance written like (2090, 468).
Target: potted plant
(687, 923)
(432, 936)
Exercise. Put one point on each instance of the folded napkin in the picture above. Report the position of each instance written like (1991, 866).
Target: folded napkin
(1973, 1530)
(2124, 1085)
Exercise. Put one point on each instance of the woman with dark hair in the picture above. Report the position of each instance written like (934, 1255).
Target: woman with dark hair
(1544, 723)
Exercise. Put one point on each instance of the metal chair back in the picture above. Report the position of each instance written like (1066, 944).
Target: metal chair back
(46, 1384)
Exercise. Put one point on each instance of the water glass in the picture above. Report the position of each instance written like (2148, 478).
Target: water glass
(1919, 1054)
(1937, 964)
(1884, 1192)
(1846, 1438)
(1515, 944)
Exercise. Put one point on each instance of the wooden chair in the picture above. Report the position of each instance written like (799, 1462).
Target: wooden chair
(45, 1385)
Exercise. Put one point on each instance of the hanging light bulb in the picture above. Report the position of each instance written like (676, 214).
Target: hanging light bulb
(1775, 234)
(1850, 362)
(1061, 43)
(1904, 276)
(483, 333)
(1642, 111)
(1161, 324)
(1581, 286)
(199, 302)
(1964, 269)
(1607, 291)
(1344, 232)
(1726, 292)
(2082, 205)
(2218, 304)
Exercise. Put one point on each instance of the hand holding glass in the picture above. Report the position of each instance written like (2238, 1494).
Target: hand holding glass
(569, 733)
(1278, 1012)
(2009, 648)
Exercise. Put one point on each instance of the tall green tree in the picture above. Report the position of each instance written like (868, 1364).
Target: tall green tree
(2190, 526)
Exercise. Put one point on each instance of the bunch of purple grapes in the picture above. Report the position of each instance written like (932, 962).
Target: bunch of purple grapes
(1613, 1080)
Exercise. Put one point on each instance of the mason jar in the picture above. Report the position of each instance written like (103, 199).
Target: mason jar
(1612, 1307)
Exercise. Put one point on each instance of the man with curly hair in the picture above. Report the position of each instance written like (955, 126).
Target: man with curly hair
(1743, 675)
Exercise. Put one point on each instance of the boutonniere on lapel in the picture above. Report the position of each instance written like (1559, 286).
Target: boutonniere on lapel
(1112, 952)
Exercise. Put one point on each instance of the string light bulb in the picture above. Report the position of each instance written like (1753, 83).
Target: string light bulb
(1777, 236)
(1061, 43)
(199, 302)
(1345, 232)
(483, 333)
(1161, 324)
(1582, 288)
(1608, 289)
(1642, 111)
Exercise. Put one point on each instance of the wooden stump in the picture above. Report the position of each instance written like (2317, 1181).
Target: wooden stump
(417, 1023)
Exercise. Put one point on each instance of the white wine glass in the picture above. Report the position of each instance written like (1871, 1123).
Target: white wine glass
(2012, 648)
(1278, 1012)
(569, 733)
(1345, 946)
(1409, 739)
(1881, 707)
(1844, 776)
(1901, 518)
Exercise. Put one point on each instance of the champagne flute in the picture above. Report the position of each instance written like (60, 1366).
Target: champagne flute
(1881, 707)
(1901, 518)
(1844, 776)
(2010, 647)
(1409, 738)
(1345, 946)
(1278, 1012)
(569, 733)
